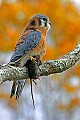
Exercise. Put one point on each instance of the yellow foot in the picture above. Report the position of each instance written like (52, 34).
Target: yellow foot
(32, 58)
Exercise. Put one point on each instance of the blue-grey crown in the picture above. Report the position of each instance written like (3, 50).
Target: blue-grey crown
(40, 16)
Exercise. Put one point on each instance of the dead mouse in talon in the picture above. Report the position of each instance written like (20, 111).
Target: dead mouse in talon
(33, 69)
(34, 73)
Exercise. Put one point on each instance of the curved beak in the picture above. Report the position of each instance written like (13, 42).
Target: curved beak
(50, 23)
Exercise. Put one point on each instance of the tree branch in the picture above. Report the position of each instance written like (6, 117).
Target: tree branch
(8, 72)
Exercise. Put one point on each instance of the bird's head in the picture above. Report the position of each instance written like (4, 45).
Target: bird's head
(39, 22)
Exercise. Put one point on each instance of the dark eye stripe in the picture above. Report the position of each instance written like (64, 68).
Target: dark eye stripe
(39, 22)
(45, 24)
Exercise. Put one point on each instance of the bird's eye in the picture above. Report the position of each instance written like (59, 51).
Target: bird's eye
(33, 22)
(44, 19)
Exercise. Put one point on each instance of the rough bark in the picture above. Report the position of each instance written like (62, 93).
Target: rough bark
(8, 72)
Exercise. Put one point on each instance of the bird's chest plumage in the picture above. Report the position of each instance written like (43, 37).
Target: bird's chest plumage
(39, 50)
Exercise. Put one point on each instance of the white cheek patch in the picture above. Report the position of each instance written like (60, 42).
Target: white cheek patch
(42, 23)
(48, 26)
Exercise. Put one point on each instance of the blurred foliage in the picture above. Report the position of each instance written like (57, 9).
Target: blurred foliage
(74, 102)
(64, 33)
(11, 102)
(64, 17)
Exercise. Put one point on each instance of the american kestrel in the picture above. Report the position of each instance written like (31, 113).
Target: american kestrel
(31, 44)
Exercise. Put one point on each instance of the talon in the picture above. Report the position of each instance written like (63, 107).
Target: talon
(32, 58)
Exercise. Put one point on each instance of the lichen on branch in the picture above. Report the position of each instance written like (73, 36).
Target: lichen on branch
(8, 72)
